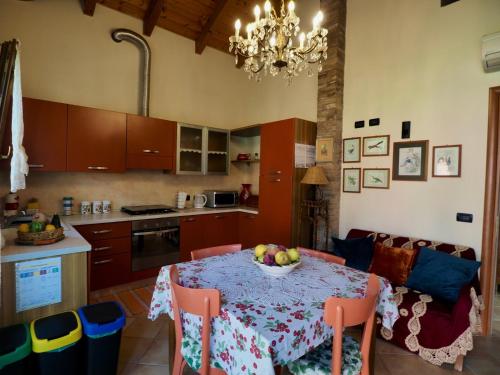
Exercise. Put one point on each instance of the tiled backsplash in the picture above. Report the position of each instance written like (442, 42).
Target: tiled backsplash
(132, 187)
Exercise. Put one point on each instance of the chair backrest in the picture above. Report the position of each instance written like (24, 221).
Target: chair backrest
(202, 302)
(322, 255)
(348, 312)
(214, 251)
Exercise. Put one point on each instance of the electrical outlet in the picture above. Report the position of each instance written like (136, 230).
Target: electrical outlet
(406, 129)
(359, 124)
(464, 218)
(374, 122)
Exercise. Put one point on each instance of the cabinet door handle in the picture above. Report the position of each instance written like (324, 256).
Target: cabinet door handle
(276, 180)
(251, 217)
(97, 168)
(8, 154)
(103, 231)
(36, 165)
(103, 261)
(151, 151)
(220, 216)
(103, 248)
(190, 219)
(277, 172)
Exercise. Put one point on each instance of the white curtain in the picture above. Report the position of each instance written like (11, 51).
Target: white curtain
(19, 163)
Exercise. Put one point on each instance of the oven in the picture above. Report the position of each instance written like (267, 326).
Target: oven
(155, 243)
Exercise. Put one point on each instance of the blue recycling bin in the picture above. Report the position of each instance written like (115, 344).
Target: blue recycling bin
(102, 328)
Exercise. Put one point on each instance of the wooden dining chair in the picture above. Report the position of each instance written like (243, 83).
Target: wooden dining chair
(202, 302)
(322, 255)
(345, 355)
(215, 251)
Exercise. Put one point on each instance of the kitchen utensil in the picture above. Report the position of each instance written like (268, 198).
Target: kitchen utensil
(85, 207)
(106, 207)
(97, 207)
(181, 199)
(200, 200)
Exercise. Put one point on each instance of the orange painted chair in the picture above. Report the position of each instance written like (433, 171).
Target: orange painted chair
(202, 302)
(345, 356)
(215, 251)
(321, 255)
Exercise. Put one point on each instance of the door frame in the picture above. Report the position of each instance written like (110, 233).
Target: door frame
(491, 209)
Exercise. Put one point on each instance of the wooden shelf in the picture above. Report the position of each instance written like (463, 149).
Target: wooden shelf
(245, 161)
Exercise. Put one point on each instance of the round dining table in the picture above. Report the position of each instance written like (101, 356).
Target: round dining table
(265, 321)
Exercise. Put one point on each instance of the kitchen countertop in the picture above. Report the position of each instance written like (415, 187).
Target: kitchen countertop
(117, 216)
(73, 243)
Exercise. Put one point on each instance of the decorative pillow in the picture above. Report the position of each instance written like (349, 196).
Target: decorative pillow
(357, 252)
(441, 275)
(393, 263)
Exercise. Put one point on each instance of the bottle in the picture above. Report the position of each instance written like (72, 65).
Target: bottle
(67, 206)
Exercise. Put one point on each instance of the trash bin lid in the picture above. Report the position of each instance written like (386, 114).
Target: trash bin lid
(15, 344)
(101, 318)
(55, 331)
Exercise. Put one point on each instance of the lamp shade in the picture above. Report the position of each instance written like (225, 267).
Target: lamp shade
(315, 176)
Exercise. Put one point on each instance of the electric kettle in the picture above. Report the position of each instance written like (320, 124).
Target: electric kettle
(200, 200)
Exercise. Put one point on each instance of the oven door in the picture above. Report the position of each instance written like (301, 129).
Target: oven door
(154, 248)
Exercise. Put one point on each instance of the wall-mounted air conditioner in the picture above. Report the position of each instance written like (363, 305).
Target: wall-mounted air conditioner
(491, 52)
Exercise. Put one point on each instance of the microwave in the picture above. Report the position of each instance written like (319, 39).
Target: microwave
(218, 199)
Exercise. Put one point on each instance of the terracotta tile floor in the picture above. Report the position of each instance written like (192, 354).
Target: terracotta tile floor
(144, 345)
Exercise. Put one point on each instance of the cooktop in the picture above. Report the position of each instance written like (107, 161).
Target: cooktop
(147, 209)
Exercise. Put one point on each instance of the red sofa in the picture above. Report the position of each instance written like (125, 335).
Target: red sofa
(435, 330)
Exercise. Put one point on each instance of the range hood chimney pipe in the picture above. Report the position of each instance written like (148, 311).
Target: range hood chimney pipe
(131, 36)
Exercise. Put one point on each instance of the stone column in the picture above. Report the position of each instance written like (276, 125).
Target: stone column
(330, 106)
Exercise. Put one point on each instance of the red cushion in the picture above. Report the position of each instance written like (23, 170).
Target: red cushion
(393, 263)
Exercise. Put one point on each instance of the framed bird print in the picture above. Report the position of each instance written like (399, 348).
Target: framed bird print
(352, 180)
(351, 150)
(409, 161)
(447, 161)
(324, 149)
(376, 178)
(376, 146)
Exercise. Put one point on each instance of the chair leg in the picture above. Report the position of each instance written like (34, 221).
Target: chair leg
(179, 364)
(459, 363)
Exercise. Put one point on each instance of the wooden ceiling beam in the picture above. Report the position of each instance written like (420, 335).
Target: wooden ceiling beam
(88, 7)
(201, 41)
(152, 16)
(447, 2)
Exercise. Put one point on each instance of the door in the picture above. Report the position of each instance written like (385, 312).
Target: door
(192, 235)
(96, 140)
(248, 230)
(221, 229)
(217, 151)
(277, 147)
(190, 149)
(150, 143)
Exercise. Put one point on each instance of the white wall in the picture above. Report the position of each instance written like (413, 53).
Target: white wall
(70, 57)
(412, 60)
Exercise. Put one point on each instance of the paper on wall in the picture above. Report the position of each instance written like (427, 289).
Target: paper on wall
(305, 155)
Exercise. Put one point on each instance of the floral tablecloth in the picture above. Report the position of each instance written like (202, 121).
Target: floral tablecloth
(266, 321)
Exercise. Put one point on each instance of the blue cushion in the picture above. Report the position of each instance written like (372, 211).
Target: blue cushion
(357, 252)
(441, 275)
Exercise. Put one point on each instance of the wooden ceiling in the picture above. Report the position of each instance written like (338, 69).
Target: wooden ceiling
(207, 22)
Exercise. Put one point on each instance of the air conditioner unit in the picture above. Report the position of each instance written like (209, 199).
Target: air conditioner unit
(491, 52)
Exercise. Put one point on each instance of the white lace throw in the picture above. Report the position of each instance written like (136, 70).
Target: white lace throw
(19, 163)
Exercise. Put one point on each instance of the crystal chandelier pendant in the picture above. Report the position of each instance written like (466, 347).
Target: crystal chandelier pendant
(275, 45)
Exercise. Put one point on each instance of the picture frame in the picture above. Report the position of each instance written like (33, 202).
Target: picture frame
(351, 150)
(377, 145)
(409, 161)
(351, 178)
(376, 178)
(324, 149)
(447, 161)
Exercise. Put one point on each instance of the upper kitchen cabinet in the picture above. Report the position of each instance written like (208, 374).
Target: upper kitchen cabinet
(277, 144)
(150, 143)
(96, 140)
(217, 151)
(202, 150)
(45, 134)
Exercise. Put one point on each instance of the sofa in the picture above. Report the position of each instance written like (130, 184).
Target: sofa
(437, 331)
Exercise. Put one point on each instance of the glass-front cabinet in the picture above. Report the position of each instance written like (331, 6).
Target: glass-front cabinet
(202, 150)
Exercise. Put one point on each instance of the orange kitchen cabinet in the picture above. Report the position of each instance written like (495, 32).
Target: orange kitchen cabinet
(277, 144)
(221, 229)
(96, 140)
(248, 230)
(192, 235)
(150, 143)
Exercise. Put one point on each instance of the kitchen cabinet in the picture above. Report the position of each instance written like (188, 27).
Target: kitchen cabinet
(280, 190)
(202, 150)
(96, 140)
(109, 261)
(192, 235)
(248, 230)
(45, 135)
(221, 229)
(150, 143)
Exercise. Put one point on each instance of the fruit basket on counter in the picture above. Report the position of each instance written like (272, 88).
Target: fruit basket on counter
(40, 232)
(276, 260)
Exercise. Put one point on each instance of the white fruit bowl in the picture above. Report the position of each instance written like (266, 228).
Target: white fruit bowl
(277, 271)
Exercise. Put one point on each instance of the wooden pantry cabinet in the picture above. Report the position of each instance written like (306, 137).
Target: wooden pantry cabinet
(150, 143)
(96, 140)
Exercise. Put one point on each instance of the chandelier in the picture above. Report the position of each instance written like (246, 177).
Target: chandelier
(274, 43)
